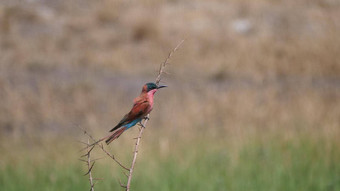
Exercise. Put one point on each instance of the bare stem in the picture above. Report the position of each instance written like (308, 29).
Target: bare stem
(166, 62)
(135, 154)
(89, 165)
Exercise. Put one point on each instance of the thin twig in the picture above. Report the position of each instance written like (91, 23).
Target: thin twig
(163, 65)
(102, 148)
(89, 171)
(82, 142)
(126, 174)
(88, 152)
(113, 157)
(121, 184)
(90, 166)
(97, 159)
(135, 154)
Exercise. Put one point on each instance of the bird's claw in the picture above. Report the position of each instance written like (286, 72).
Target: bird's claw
(146, 118)
(141, 125)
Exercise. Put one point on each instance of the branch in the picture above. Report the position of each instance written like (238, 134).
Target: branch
(90, 163)
(102, 147)
(135, 153)
(89, 166)
(113, 157)
(158, 79)
(166, 62)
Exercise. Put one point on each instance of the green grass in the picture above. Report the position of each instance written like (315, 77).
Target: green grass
(299, 164)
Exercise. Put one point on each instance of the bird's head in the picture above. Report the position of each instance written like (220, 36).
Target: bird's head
(151, 87)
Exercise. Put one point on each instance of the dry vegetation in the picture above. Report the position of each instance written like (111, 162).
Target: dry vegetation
(264, 69)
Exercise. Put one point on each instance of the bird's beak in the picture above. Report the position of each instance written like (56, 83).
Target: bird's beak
(159, 87)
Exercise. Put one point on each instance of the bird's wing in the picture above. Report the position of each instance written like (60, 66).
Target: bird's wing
(138, 110)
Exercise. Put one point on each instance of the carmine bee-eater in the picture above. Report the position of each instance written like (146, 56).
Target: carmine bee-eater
(142, 106)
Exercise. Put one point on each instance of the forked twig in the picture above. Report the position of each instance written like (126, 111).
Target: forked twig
(103, 149)
(90, 162)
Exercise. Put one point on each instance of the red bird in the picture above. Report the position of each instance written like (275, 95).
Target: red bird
(142, 106)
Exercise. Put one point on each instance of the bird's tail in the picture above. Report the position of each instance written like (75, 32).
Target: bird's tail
(115, 135)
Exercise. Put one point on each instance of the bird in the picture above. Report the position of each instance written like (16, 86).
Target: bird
(142, 106)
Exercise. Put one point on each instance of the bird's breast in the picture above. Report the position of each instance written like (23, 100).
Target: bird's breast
(150, 99)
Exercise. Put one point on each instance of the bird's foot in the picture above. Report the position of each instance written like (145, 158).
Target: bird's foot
(141, 125)
(146, 118)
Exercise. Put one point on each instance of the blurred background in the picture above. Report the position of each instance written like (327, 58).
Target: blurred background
(253, 101)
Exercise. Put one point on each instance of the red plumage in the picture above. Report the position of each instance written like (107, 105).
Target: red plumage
(115, 135)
